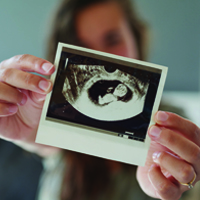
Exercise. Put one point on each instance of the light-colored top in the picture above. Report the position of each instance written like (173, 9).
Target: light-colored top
(51, 178)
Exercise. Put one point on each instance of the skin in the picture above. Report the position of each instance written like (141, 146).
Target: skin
(20, 109)
(175, 150)
(174, 154)
(114, 36)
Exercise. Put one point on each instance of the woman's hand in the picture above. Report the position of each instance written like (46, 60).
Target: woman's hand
(173, 157)
(22, 96)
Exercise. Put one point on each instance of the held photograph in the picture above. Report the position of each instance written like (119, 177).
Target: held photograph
(108, 97)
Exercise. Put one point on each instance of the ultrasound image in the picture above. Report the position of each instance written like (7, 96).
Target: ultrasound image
(104, 94)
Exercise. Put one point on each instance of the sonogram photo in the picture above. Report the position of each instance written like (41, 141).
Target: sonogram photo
(113, 96)
(101, 104)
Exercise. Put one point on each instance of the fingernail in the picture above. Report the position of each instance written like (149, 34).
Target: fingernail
(155, 156)
(162, 116)
(47, 67)
(13, 108)
(23, 101)
(155, 132)
(44, 85)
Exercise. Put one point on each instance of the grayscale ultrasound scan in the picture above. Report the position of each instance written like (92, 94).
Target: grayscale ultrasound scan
(104, 94)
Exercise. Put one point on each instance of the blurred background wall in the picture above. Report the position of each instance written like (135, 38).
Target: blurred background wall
(174, 35)
(175, 40)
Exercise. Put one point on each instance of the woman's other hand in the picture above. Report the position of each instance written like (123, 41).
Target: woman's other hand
(173, 157)
(22, 96)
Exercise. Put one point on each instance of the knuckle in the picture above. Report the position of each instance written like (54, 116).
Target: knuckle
(164, 189)
(167, 192)
(186, 172)
(35, 63)
(172, 117)
(195, 154)
(20, 58)
(167, 137)
(5, 74)
(29, 79)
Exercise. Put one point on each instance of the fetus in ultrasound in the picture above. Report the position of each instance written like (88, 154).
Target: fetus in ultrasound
(103, 92)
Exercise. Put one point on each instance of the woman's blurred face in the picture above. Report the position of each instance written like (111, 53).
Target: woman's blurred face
(103, 27)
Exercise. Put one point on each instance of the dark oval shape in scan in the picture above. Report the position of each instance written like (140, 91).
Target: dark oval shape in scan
(103, 87)
(110, 68)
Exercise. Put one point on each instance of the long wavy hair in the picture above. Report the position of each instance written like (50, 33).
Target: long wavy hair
(87, 175)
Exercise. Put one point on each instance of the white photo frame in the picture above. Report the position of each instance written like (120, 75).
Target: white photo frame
(101, 104)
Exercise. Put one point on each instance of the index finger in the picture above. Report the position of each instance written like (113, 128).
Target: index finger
(29, 63)
(175, 122)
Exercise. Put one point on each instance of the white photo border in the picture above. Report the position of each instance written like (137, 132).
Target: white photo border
(91, 141)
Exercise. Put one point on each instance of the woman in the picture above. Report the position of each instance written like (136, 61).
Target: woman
(110, 26)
